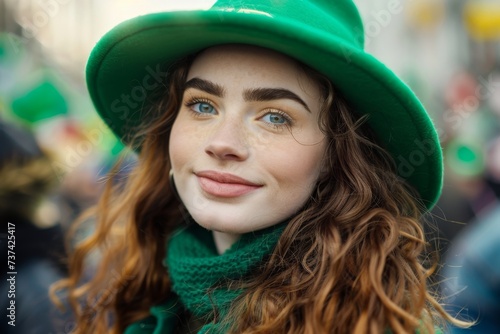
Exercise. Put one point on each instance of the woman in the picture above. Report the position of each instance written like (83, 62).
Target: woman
(282, 177)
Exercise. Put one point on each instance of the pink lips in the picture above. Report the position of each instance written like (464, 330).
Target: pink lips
(224, 184)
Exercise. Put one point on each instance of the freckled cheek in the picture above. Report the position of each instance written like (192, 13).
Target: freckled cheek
(296, 169)
(182, 144)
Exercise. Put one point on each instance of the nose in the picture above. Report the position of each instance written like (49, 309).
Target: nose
(228, 142)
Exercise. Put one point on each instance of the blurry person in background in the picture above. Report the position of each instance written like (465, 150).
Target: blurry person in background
(26, 181)
(472, 268)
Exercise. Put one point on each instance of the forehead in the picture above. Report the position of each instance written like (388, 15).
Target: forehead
(253, 65)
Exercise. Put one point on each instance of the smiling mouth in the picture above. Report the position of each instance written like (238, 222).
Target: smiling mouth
(224, 184)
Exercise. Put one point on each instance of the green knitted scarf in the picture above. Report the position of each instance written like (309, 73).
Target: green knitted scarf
(196, 269)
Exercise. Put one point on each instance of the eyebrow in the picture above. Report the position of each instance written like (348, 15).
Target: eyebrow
(269, 94)
(256, 94)
(206, 86)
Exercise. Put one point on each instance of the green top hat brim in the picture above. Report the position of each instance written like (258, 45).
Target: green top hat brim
(125, 61)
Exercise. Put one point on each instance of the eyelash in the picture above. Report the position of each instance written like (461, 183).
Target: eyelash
(288, 119)
(194, 101)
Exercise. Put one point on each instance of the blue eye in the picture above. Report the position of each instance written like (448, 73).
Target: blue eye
(275, 118)
(203, 108)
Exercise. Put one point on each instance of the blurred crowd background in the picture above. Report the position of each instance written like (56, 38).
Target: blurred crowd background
(448, 52)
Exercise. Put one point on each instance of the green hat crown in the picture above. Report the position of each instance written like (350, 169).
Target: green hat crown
(338, 17)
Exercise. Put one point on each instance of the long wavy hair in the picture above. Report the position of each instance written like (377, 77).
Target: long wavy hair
(350, 262)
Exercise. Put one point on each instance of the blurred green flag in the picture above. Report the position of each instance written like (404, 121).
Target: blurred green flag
(42, 101)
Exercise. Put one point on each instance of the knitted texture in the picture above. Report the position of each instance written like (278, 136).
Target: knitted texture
(197, 270)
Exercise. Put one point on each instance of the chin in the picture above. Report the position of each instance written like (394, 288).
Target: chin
(234, 224)
(220, 225)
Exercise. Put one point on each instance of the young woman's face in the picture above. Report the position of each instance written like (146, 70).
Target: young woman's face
(246, 148)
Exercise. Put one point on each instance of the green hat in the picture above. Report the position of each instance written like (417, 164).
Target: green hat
(126, 65)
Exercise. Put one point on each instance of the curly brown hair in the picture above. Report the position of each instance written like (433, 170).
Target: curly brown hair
(349, 262)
